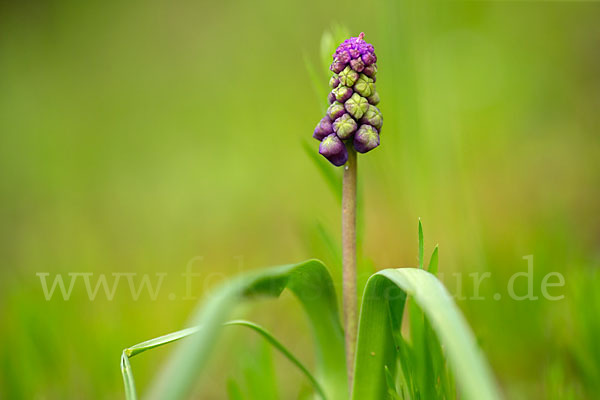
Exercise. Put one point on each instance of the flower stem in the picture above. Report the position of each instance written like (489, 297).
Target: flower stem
(349, 258)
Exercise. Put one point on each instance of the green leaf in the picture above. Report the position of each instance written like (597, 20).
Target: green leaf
(375, 347)
(421, 245)
(329, 173)
(130, 392)
(391, 384)
(159, 341)
(329, 42)
(311, 284)
(433, 262)
(319, 83)
(171, 337)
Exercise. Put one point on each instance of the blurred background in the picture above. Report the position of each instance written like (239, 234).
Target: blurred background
(146, 136)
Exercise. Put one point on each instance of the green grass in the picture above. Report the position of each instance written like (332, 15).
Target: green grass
(130, 141)
(424, 371)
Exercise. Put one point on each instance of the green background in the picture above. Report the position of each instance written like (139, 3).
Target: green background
(135, 136)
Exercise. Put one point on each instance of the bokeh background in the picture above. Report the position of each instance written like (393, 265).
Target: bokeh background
(136, 136)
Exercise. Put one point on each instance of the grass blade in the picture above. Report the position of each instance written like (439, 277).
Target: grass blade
(130, 392)
(311, 284)
(171, 337)
(421, 245)
(433, 262)
(329, 173)
(375, 340)
(159, 341)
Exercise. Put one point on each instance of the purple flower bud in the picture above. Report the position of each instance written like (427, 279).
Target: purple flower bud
(331, 97)
(336, 110)
(344, 126)
(342, 93)
(370, 70)
(354, 53)
(323, 129)
(334, 150)
(356, 106)
(374, 99)
(334, 82)
(357, 65)
(337, 66)
(344, 57)
(364, 86)
(348, 76)
(369, 58)
(372, 117)
(366, 139)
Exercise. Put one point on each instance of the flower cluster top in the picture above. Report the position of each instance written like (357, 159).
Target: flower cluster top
(352, 116)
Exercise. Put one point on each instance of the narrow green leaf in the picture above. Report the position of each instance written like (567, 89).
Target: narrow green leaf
(159, 341)
(328, 172)
(329, 41)
(391, 384)
(433, 262)
(375, 341)
(312, 285)
(171, 337)
(319, 83)
(331, 244)
(128, 381)
(327, 49)
(421, 245)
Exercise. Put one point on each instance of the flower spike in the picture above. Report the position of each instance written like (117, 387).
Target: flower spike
(352, 118)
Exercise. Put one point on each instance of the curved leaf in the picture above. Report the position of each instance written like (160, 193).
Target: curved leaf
(311, 284)
(130, 392)
(383, 301)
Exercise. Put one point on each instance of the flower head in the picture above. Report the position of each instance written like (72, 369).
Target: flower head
(352, 118)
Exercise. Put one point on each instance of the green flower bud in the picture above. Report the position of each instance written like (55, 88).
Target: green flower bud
(364, 86)
(342, 93)
(356, 106)
(344, 126)
(348, 76)
(374, 99)
(372, 117)
(335, 110)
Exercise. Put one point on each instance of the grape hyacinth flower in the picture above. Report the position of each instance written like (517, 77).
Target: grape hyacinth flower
(353, 122)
